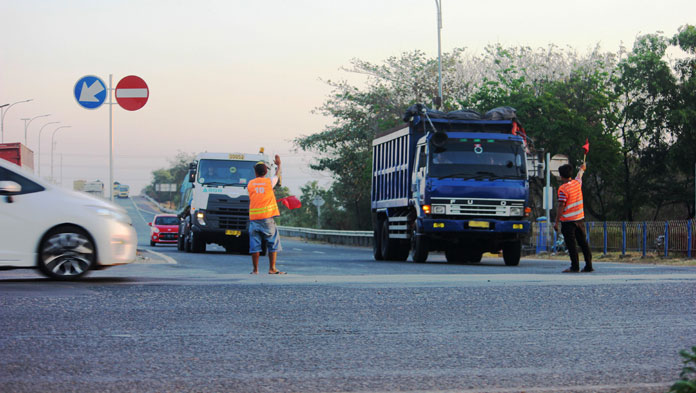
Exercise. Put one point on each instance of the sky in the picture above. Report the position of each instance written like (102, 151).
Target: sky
(234, 76)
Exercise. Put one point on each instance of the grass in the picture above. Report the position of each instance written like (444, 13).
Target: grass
(630, 257)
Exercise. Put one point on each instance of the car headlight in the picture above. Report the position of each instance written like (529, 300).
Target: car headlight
(516, 211)
(439, 209)
(155, 230)
(112, 214)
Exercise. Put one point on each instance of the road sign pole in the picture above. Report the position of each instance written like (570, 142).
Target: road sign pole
(111, 142)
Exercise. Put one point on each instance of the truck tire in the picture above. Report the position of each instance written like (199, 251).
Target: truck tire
(197, 244)
(377, 241)
(512, 252)
(419, 248)
(180, 242)
(392, 249)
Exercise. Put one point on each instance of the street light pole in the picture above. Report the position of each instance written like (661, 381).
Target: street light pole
(28, 121)
(44, 126)
(3, 112)
(53, 144)
(438, 4)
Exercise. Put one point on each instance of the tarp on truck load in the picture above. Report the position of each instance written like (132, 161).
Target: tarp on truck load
(419, 109)
(499, 113)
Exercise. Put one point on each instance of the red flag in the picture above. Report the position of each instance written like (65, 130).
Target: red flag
(586, 146)
(291, 202)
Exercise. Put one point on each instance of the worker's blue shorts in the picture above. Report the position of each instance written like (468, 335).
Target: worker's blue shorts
(260, 230)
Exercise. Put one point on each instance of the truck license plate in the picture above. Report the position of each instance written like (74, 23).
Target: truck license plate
(479, 224)
(233, 233)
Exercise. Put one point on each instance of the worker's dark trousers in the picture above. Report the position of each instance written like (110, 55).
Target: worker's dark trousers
(574, 231)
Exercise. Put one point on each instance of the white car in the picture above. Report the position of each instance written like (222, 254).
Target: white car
(62, 233)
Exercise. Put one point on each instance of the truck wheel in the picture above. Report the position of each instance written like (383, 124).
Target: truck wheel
(197, 244)
(152, 244)
(419, 248)
(180, 242)
(512, 253)
(392, 249)
(377, 242)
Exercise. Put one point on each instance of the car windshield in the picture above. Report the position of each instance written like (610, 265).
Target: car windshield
(166, 221)
(478, 159)
(225, 172)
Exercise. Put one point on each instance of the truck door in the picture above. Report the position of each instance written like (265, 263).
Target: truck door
(418, 177)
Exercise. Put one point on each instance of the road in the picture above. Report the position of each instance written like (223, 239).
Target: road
(339, 321)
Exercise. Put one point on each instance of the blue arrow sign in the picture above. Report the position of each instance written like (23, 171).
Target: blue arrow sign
(90, 92)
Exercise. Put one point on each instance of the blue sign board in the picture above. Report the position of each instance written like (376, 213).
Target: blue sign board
(90, 92)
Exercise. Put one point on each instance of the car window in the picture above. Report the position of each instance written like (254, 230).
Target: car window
(166, 221)
(28, 186)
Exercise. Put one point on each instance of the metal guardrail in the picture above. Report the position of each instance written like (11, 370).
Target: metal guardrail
(162, 208)
(355, 238)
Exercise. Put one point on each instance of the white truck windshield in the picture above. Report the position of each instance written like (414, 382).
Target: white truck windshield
(225, 172)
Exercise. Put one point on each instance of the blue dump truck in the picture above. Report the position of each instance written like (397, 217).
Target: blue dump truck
(455, 182)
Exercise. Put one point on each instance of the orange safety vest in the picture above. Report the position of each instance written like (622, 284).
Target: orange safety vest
(262, 202)
(573, 210)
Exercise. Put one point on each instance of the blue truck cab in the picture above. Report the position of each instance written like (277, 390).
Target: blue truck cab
(455, 182)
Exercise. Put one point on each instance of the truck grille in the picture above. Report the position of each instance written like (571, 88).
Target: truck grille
(476, 207)
(228, 213)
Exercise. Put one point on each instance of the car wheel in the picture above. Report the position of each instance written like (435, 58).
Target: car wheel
(66, 253)
(152, 243)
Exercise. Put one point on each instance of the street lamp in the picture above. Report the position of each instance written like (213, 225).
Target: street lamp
(438, 4)
(3, 112)
(44, 126)
(28, 121)
(52, 148)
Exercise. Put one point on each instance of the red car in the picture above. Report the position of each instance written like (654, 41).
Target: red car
(165, 229)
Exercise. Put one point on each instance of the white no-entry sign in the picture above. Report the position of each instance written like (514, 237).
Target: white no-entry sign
(132, 93)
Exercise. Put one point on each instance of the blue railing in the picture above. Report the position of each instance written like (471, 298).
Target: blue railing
(663, 238)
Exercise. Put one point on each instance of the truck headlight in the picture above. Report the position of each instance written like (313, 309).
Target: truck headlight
(155, 230)
(517, 211)
(200, 216)
(439, 209)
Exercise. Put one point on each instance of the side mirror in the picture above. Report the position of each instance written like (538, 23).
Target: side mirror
(9, 188)
(149, 223)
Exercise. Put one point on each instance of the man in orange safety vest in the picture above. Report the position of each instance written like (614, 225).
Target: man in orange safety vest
(570, 212)
(262, 208)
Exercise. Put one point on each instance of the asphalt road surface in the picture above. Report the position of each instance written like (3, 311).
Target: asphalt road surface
(339, 321)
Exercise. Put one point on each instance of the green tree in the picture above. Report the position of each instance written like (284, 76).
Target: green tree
(175, 174)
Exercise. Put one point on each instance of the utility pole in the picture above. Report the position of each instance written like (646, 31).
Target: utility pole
(438, 101)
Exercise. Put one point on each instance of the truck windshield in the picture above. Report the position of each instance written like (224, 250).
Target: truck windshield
(225, 172)
(478, 159)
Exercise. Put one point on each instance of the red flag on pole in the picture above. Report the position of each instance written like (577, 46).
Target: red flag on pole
(291, 202)
(586, 146)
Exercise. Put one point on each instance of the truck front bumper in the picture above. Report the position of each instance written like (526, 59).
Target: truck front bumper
(474, 226)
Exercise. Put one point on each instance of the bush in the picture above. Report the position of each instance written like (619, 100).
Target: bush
(687, 383)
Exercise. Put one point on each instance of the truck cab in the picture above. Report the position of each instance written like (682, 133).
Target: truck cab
(458, 185)
(215, 202)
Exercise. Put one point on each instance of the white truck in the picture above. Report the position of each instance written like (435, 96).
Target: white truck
(215, 203)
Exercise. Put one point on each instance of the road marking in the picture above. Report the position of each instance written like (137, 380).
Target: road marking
(319, 252)
(167, 258)
(542, 389)
(137, 209)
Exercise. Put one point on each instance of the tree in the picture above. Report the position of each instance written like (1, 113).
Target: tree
(175, 174)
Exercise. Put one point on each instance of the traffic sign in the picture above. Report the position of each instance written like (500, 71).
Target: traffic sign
(132, 93)
(90, 92)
